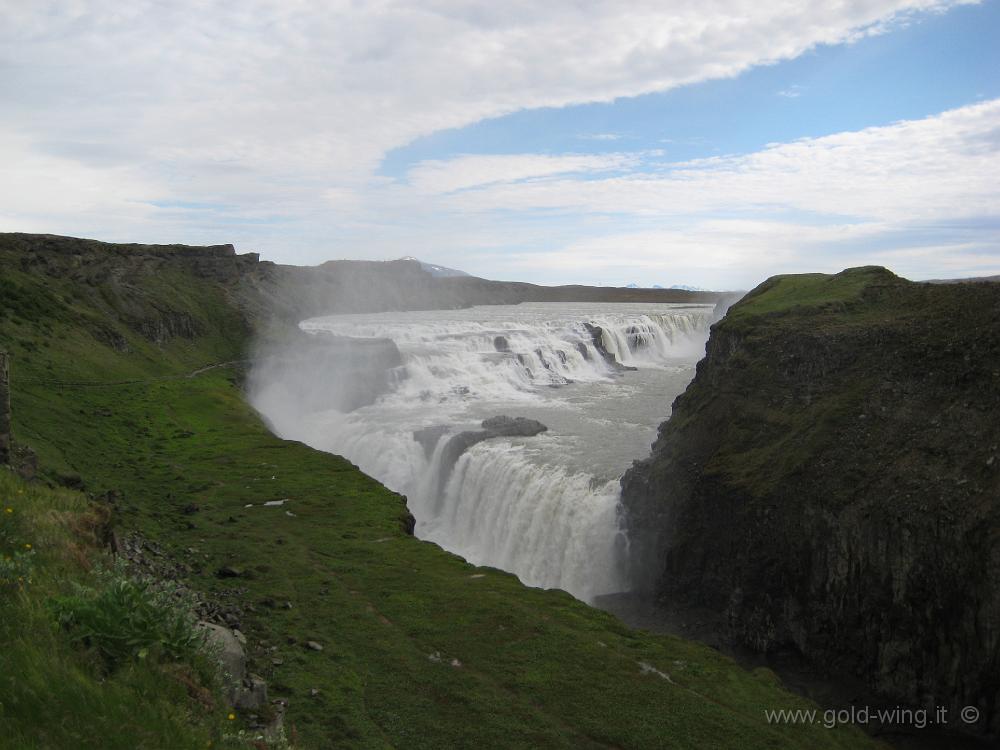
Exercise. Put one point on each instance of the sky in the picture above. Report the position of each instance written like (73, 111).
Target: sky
(710, 143)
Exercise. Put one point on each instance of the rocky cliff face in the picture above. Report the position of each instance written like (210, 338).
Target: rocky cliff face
(118, 278)
(831, 480)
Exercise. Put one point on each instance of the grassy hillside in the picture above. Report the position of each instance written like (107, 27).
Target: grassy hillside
(57, 688)
(419, 649)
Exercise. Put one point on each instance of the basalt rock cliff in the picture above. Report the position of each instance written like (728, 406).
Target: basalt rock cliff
(831, 480)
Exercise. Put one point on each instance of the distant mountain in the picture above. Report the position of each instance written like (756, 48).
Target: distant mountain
(966, 280)
(437, 271)
(686, 288)
(679, 287)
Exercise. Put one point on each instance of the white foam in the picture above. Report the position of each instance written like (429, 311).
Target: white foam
(500, 504)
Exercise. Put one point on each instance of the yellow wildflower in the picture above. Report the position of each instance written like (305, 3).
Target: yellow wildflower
(231, 717)
(27, 546)
(8, 510)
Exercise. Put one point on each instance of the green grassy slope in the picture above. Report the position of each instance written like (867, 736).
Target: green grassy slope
(54, 694)
(420, 649)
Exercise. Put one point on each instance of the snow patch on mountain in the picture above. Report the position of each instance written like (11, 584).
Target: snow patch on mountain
(435, 270)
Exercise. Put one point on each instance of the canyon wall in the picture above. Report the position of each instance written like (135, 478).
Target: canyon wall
(831, 480)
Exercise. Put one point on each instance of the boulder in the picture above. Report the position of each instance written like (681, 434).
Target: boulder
(232, 657)
(504, 426)
(253, 695)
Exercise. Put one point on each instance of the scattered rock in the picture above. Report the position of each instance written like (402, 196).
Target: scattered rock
(24, 462)
(312, 645)
(190, 509)
(227, 571)
(231, 656)
(253, 696)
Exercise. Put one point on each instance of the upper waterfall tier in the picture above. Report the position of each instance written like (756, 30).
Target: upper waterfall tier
(465, 358)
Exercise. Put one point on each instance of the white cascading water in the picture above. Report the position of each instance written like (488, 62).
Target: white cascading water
(543, 507)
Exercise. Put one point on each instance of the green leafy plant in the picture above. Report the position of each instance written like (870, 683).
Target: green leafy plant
(124, 618)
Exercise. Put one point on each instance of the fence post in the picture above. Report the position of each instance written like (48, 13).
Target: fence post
(5, 439)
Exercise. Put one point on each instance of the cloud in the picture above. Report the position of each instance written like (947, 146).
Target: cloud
(920, 196)
(286, 107)
(444, 176)
(938, 167)
(792, 92)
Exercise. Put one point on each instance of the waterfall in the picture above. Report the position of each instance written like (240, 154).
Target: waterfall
(505, 501)
(551, 528)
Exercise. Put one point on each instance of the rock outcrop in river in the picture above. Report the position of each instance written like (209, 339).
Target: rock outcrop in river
(831, 480)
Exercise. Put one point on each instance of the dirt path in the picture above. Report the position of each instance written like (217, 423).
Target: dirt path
(111, 383)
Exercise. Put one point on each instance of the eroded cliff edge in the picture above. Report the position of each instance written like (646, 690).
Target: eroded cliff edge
(831, 480)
